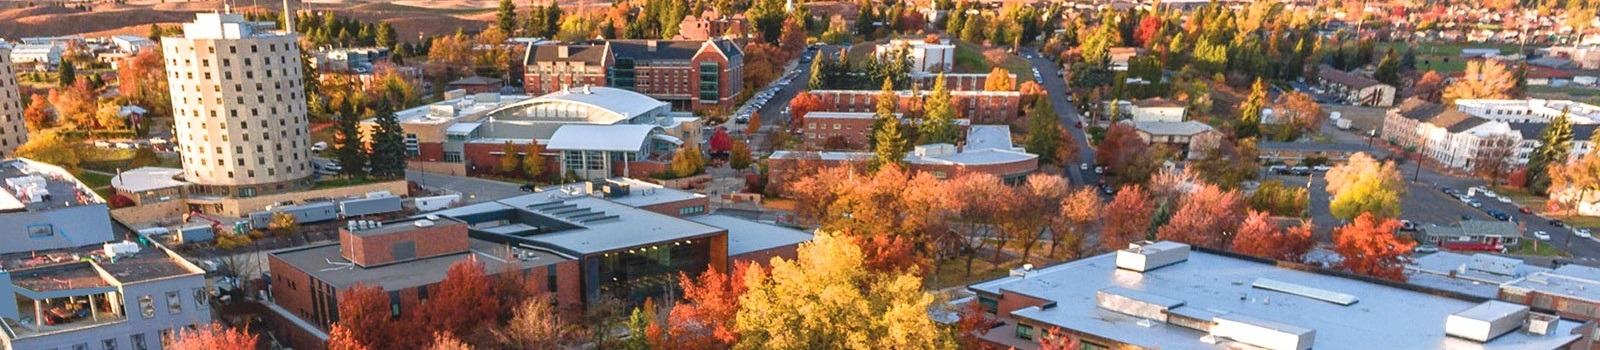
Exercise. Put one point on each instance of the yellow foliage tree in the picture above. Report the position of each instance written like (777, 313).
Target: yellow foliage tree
(1364, 185)
(1000, 80)
(828, 299)
(1482, 79)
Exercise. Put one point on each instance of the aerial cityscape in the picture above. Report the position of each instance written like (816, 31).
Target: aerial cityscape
(799, 174)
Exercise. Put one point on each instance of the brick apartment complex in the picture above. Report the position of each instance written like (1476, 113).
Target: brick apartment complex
(982, 107)
(688, 74)
(711, 24)
(837, 130)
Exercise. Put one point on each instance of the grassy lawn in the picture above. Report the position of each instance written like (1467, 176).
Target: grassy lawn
(970, 59)
(953, 272)
(1537, 204)
(341, 182)
(1543, 249)
(1566, 93)
(101, 183)
(1446, 49)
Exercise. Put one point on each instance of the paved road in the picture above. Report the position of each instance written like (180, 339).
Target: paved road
(772, 118)
(472, 189)
(1057, 89)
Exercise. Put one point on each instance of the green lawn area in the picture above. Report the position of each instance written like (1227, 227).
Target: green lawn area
(970, 59)
(341, 182)
(1446, 49)
(101, 183)
(953, 272)
(1542, 249)
(1565, 93)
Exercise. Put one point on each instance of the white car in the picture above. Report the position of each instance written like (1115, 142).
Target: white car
(1084, 166)
(1582, 232)
(1503, 199)
(1541, 235)
(1099, 170)
(1322, 168)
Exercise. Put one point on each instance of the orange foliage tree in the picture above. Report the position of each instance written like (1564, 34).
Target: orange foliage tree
(982, 202)
(1056, 339)
(365, 316)
(1079, 212)
(340, 338)
(1127, 218)
(1036, 202)
(704, 318)
(460, 303)
(973, 325)
(1207, 217)
(214, 337)
(803, 103)
(1259, 236)
(1370, 247)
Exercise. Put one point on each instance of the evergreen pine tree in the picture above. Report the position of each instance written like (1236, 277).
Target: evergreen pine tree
(67, 75)
(889, 144)
(1554, 143)
(506, 19)
(818, 76)
(349, 146)
(1249, 123)
(388, 143)
(939, 124)
(1388, 70)
(1044, 133)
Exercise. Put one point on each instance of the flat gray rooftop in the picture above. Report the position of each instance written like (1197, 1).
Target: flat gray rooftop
(63, 269)
(577, 224)
(34, 186)
(341, 273)
(746, 236)
(1385, 317)
(1455, 272)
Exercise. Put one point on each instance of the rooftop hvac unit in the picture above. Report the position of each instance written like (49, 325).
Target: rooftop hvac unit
(1541, 324)
(1485, 321)
(423, 223)
(1145, 256)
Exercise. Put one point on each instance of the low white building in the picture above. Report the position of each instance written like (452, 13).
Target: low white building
(132, 44)
(926, 57)
(1153, 109)
(1532, 110)
(47, 54)
(1447, 136)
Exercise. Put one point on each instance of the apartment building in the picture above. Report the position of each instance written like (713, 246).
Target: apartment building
(240, 114)
(13, 129)
(926, 56)
(1354, 89)
(982, 107)
(689, 75)
(1168, 295)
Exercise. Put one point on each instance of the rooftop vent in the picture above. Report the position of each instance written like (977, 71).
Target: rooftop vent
(1135, 303)
(1494, 264)
(1305, 291)
(1145, 255)
(423, 223)
(1541, 324)
(1263, 333)
(1486, 321)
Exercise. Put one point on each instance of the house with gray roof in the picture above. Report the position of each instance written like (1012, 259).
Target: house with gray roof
(1354, 89)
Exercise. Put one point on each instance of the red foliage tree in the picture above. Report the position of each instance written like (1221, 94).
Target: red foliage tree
(340, 338)
(704, 319)
(1120, 147)
(720, 141)
(459, 303)
(1518, 178)
(37, 115)
(364, 316)
(1127, 218)
(1369, 246)
(1206, 218)
(1259, 236)
(973, 325)
(1056, 339)
(1148, 28)
(214, 337)
(803, 103)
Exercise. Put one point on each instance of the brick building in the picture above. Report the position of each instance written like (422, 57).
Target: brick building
(687, 74)
(982, 107)
(711, 24)
(404, 258)
(837, 130)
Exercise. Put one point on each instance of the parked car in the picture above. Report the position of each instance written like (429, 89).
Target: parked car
(1541, 235)
(1084, 166)
(1498, 215)
(1446, 190)
(1474, 203)
(1322, 168)
(1582, 232)
(1557, 223)
(319, 146)
(1525, 210)
(1301, 170)
(1099, 170)
(1503, 199)
(1426, 249)
(1407, 225)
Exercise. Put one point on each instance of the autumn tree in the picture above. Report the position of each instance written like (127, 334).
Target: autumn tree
(1037, 201)
(1079, 211)
(365, 317)
(340, 338)
(1000, 79)
(1369, 246)
(143, 80)
(534, 164)
(983, 202)
(1277, 199)
(1429, 87)
(704, 319)
(213, 337)
(973, 325)
(1126, 156)
(1364, 185)
(687, 161)
(457, 304)
(510, 161)
(52, 148)
(802, 104)
(38, 115)
(75, 104)
(1297, 112)
(1259, 235)
(829, 299)
(445, 341)
(1486, 79)
(537, 325)
(1126, 218)
(1207, 217)
(1495, 157)
(1576, 180)
(1056, 339)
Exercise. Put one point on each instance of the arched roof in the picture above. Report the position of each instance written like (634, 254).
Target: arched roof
(605, 105)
